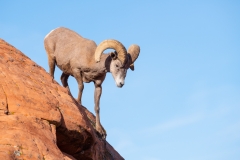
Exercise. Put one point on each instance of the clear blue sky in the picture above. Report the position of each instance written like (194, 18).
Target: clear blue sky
(182, 102)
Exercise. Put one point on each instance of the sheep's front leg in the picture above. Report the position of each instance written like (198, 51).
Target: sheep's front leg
(78, 76)
(80, 87)
(97, 95)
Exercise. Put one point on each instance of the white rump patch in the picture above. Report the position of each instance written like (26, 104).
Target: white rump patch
(49, 33)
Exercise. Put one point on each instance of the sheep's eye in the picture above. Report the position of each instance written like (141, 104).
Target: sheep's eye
(116, 65)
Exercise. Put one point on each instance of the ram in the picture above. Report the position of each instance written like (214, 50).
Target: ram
(84, 60)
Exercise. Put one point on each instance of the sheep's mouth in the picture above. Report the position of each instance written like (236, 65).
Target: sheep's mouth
(120, 85)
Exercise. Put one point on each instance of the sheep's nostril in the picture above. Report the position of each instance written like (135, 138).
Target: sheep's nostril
(121, 84)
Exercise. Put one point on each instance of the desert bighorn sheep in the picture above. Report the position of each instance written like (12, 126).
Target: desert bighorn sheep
(83, 59)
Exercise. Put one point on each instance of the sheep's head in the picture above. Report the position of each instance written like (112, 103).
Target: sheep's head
(118, 69)
(121, 59)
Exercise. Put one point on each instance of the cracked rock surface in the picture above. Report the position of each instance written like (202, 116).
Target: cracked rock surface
(39, 119)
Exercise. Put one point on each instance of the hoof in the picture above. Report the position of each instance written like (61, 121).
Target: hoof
(78, 102)
(101, 132)
(53, 81)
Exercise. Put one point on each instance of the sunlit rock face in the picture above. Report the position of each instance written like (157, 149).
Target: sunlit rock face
(39, 119)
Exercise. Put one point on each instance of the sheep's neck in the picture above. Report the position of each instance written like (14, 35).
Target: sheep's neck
(108, 62)
(104, 65)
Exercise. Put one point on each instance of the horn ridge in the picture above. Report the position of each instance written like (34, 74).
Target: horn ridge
(111, 44)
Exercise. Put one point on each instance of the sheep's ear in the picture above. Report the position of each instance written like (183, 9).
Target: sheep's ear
(131, 67)
(113, 55)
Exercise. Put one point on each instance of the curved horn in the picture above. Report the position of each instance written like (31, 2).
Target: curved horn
(111, 44)
(133, 52)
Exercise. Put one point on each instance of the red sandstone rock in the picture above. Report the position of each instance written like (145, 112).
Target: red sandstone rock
(43, 121)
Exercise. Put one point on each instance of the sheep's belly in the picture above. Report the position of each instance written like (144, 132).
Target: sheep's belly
(66, 68)
(89, 76)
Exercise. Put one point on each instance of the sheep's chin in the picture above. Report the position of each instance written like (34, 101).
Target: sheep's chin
(119, 86)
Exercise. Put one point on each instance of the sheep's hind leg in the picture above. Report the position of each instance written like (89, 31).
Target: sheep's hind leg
(52, 64)
(78, 77)
(64, 79)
